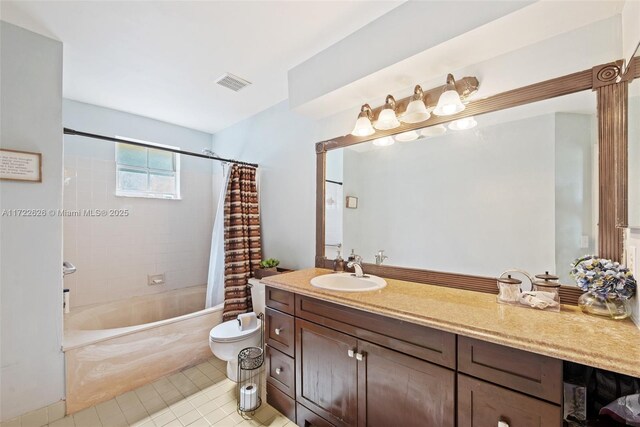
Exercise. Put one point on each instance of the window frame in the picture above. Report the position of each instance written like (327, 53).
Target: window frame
(176, 195)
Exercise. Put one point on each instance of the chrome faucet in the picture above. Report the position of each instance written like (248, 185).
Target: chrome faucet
(380, 257)
(356, 264)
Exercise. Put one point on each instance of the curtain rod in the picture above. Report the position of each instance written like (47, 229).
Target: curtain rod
(68, 131)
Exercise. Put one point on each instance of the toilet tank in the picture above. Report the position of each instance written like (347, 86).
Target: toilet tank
(257, 295)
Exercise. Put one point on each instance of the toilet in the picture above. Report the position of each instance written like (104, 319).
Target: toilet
(227, 340)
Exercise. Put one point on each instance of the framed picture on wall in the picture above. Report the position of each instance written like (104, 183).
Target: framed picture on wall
(352, 202)
(20, 166)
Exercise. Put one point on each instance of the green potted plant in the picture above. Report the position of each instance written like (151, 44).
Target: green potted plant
(267, 268)
(269, 264)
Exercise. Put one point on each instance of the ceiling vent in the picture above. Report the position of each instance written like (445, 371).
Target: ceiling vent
(232, 82)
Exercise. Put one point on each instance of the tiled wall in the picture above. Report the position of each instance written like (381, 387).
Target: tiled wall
(114, 255)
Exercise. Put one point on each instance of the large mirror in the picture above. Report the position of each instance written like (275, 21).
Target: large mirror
(519, 189)
(634, 151)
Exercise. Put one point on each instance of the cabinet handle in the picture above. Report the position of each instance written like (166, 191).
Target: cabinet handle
(277, 331)
(350, 353)
(503, 424)
(360, 358)
(279, 371)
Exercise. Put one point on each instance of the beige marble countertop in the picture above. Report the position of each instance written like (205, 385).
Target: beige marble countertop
(568, 335)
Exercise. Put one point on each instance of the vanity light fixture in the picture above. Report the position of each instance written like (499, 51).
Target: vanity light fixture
(387, 118)
(463, 124)
(432, 131)
(411, 135)
(416, 111)
(385, 141)
(363, 125)
(449, 102)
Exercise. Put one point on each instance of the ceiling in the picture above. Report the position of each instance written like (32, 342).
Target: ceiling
(161, 59)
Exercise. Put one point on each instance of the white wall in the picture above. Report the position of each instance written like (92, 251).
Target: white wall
(32, 368)
(281, 141)
(376, 46)
(115, 255)
(630, 28)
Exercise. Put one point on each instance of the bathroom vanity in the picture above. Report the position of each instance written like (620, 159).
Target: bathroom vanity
(419, 355)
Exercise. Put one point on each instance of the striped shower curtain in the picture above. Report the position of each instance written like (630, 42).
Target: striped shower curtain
(242, 243)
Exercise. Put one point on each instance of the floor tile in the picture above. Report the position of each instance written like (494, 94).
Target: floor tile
(15, 422)
(64, 422)
(189, 417)
(164, 419)
(87, 417)
(37, 418)
(155, 405)
(200, 422)
(199, 396)
(216, 415)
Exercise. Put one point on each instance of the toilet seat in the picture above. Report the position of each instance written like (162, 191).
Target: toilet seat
(229, 331)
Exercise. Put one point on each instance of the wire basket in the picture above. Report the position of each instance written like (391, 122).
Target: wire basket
(249, 387)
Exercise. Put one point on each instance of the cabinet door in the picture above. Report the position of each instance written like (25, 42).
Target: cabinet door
(399, 390)
(481, 404)
(327, 375)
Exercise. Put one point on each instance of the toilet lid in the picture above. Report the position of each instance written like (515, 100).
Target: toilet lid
(230, 331)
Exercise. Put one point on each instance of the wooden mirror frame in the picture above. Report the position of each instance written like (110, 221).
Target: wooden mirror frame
(611, 90)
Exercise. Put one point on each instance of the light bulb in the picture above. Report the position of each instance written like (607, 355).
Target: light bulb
(432, 131)
(385, 141)
(363, 125)
(407, 136)
(449, 102)
(387, 118)
(463, 124)
(416, 111)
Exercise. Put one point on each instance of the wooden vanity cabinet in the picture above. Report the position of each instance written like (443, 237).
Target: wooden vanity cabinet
(483, 404)
(354, 368)
(399, 390)
(327, 372)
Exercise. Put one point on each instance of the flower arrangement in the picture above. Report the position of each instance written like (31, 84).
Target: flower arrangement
(603, 277)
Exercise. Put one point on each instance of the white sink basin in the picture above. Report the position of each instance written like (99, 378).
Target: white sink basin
(346, 282)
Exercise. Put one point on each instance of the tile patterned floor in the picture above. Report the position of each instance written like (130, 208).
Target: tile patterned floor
(199, 396)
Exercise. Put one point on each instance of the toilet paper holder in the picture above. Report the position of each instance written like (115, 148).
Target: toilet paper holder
(249, 386)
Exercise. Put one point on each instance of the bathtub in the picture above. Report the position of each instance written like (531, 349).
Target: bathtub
(118, 346)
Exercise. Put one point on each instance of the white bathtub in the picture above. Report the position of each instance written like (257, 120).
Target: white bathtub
(118, 346)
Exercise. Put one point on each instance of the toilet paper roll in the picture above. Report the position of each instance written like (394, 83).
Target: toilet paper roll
(248, 397)
(247, 321)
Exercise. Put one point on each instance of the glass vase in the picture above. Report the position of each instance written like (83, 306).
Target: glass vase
(612, 306)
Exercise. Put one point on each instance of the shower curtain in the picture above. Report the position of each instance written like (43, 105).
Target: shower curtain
(242, 249)
(215, 282)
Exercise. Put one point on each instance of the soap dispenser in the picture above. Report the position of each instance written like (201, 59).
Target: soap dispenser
(338, 263)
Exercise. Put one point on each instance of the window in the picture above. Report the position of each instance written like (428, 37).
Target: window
(146, 172)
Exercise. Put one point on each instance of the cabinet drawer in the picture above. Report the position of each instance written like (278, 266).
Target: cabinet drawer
(530, 373)
(280, 332)
(306, 418)
(419, 341)
(481, 404)
(281, 402)
(280, 371)
(279, 300)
